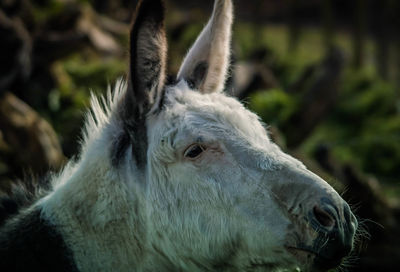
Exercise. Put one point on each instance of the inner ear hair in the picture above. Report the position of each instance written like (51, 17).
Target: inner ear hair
(198, 75)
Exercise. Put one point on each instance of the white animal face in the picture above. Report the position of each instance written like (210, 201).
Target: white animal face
(208, 179)
(218, 183)
(217, 193)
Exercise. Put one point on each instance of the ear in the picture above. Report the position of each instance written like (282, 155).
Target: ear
(205, 67)
(148, 54)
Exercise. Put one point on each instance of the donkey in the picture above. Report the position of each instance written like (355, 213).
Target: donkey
(178, 177)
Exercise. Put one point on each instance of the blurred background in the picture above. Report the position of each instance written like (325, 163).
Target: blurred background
(323, 74)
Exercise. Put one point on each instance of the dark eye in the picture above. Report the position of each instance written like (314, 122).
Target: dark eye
(194, 151)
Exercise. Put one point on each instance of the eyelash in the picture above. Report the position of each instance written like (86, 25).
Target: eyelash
(194, 151)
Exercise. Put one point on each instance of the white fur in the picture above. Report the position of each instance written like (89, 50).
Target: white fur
(115, 222)
(234, 208)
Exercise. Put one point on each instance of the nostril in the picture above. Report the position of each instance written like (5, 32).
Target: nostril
(323, 217)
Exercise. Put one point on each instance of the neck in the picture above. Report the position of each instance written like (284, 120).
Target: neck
(99, 216)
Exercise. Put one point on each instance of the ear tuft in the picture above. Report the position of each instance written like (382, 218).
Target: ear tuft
(198, 75)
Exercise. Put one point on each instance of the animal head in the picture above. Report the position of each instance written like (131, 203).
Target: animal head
(215, 191)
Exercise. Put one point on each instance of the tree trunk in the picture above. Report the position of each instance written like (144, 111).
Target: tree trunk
(396, 32)
(328, 24)
(359, 33)
(294, 25)
(382, 29)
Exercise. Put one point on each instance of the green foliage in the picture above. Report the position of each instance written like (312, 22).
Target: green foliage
(95, 74)
(364, 94)
(274, 106)
(247, 40)
(44, 10)
(367, 112)
(379, 146)
(364, 127)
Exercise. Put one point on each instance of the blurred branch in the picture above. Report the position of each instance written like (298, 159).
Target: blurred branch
(249, 77)
(359, 32)
(112, 26)
(294, 25)
(382, 40)
(15, 57)
(328, 24)
(34, 142)
(83, 30)
(99, 37)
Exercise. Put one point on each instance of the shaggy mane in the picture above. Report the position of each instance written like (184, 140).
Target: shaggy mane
(101, 109)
